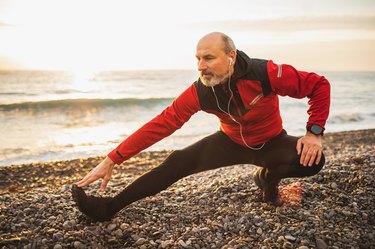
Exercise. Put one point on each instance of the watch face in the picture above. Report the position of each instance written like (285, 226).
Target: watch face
(316, 129)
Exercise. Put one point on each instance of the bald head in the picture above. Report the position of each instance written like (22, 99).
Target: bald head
(221, 40)
(216, 57)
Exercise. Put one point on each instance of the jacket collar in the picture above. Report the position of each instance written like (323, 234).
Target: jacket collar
(242, 65)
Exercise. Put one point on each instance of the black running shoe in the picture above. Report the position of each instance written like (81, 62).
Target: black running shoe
(270, 191)
(93, 207)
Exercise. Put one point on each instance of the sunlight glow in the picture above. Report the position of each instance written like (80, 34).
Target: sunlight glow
(82, 80)
(83, 136)
(292, 194)
(93, 35)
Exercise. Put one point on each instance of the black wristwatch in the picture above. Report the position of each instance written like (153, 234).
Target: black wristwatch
(316, 129)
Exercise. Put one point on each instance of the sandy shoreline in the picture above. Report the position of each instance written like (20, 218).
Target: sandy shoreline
(214, 209)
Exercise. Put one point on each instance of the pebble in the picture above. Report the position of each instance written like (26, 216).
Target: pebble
(290, 238)
(140, 241)
(111, 227)
(182, 243)
(78, 245)
(166, 243)
(320, 244)
(57, 246)
(212, 209)
(65, 188)
(67, 225)
(287, 245)
(57, 236)
(118, 233)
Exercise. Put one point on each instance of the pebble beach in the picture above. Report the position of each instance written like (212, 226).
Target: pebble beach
(214, 209)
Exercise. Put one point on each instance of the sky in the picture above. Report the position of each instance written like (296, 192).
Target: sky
(92, 35)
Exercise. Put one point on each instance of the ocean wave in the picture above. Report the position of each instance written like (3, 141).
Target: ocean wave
(83, 102)
(346, 118)
(18, 93)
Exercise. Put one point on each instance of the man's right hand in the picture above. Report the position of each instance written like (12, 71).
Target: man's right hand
(103, 170)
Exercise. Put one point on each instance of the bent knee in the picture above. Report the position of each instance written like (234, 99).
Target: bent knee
(315, 168)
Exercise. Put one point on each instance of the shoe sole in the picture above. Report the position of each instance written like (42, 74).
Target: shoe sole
(257, 179)
(75, 190)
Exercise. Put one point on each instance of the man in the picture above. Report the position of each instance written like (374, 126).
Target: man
(243, 93)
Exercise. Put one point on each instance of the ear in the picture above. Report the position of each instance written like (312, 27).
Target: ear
(232, 56)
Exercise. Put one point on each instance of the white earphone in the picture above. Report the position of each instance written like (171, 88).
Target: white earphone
(230, 60)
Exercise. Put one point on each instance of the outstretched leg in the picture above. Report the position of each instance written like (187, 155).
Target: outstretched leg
(214, 151)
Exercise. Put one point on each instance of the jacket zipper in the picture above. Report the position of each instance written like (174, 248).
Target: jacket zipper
(237, 107)
(255, 100)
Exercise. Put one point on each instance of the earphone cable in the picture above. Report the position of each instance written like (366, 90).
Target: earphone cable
(228, 113)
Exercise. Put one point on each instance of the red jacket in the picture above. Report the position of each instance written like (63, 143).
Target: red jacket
(255, 85)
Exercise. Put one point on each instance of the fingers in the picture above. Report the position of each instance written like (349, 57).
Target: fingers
(299, 146)
(81, 182)
(87, 180)
(312, 157)
(103, 185)
(310, 154)
(103, 170)
(307, 156)
(303, 156)
(318, 157)
(309, 147)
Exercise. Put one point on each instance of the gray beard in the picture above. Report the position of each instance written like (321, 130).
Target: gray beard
(214, 80)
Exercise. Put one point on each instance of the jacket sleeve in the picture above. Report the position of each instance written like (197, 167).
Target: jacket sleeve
(163, 125)
(285, 80)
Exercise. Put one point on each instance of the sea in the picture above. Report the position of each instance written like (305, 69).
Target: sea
(58, 115)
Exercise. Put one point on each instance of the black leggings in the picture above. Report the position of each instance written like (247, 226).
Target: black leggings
(278, 156)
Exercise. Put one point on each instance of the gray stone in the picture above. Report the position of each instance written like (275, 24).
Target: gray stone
(67, 225)
(290, 238)
(320, 244)
(118, 233)
(57, 246)
(65, 187)
(140, 241)
(111, 227)
(78, 245)
(166, 243)
(182, 243)
(57, 236)
(287, 245)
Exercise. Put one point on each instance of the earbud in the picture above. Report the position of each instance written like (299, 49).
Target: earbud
(230, 60)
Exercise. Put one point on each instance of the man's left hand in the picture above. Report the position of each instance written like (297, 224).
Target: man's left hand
(310, 148)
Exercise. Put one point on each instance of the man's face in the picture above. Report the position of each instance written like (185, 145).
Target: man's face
(212, 62)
